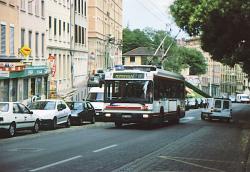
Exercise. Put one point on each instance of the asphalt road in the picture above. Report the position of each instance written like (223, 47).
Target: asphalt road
(192, 145)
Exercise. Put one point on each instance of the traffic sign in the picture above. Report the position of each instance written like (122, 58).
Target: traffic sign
(25, 51)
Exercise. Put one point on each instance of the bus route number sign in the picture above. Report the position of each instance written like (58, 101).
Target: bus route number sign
(128, 75)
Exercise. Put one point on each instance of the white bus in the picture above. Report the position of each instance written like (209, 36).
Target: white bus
(143, 94)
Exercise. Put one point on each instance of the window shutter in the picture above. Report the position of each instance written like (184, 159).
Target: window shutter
(12, 41)
(3, 39)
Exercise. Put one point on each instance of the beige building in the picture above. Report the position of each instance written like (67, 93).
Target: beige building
(105, 33)
(210, 81)
(220, 80)
(9, 28)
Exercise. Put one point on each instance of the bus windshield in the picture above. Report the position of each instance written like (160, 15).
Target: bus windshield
(128, 91)
(95, 97)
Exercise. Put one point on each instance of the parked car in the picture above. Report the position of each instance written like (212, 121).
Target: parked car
(16, 116)
(82, 111)
(52, 112)
(218, 108)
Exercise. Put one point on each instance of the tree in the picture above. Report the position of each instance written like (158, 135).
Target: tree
(178, 57)
(223, 27)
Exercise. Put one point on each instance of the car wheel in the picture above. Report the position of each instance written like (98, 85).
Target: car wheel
(53, 124)
(36, 127)
(118, 124)
(12, 130)
(93, 119)
(68, 124)
(202, 116)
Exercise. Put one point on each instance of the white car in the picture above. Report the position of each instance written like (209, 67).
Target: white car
(52, 112)
(218, 108)
(16, 116)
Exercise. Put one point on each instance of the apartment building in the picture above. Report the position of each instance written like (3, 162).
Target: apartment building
(105, 33)
(210, 81)
(66, 22)
(220, 80)
(32, 34)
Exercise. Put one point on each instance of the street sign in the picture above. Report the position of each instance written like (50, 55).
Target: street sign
(4, 74)
(25, 51)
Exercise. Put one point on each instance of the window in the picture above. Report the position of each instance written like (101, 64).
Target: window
(25, 88)
(22, 37)
(30, 7)
(43, 45)
(36, 49)
(37, 7)
(12, 46)
(68, 27)
(33, 88)
(30, 39)
(16, 108)
(79, 6)
(63, 26)
(85, 9)
(60, 27)
(54, 26)
(50, 22)
(4, 90)
(42, 8)
(82, 6)
(132, 59)
(39, 86)
(79, 36)
(3, 39)
(14, 90)
(76, 34)
(83, 35)
(45, 86)
(22, 4)
(75, 6)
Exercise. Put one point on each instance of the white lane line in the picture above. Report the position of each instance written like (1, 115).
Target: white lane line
(56, 163)
(99, 150)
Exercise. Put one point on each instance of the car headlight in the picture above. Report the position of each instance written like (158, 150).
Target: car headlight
(108, 115)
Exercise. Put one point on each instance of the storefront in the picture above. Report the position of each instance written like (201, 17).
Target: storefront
(24, 84)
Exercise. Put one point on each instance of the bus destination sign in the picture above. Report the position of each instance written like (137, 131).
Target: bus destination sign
(128, 75)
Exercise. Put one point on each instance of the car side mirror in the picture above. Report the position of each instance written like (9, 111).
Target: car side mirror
(31, 112)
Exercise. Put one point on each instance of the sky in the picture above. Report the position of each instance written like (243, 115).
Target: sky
(139, 14)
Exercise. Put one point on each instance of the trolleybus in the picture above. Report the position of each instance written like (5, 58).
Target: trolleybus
(143, 94)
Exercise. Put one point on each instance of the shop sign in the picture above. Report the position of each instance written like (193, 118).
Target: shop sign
(34, 71)
(4, 74)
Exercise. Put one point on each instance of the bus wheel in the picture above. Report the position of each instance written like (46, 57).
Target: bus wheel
(118, 124)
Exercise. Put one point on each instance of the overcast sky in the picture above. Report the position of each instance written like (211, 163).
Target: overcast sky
(149, 13)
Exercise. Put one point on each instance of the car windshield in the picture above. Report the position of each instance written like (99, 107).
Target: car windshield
(95, 97)
(4, 107)
(75, 105)
(129, 91)
(43, 105)
(217, 104)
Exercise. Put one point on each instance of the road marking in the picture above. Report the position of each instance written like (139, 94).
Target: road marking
(190, 163)
(56, 163)
(99, 150)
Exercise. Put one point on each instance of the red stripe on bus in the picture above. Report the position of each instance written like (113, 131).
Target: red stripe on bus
(123, 107)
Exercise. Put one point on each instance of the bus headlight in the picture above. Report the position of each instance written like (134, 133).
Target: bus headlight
(145, 116)
(108, 115)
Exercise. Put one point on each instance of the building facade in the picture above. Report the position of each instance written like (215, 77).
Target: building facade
(66, 23)
(105, 33)
(210, 81)
(220, 80)
(32, 34)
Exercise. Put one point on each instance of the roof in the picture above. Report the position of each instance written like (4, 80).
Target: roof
(142, 51)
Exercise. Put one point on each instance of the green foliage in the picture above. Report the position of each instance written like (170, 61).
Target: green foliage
(178, 57)
(223, 26)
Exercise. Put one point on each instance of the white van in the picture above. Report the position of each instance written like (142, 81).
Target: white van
(218, 108)
(96, 98)
(242, 98)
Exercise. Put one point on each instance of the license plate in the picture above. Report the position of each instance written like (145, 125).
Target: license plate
(126, 116)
